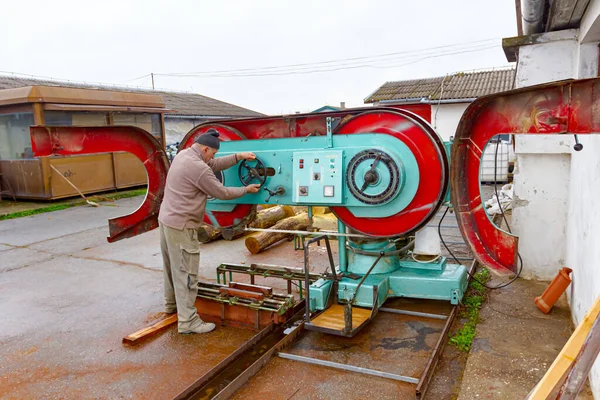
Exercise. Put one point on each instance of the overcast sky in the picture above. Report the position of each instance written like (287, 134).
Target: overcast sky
(118, 41)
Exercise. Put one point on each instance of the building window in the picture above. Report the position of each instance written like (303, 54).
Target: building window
(148, 122)
(15, 141)
(75, 118)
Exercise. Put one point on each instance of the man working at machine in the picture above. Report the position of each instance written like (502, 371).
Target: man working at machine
(190, 180)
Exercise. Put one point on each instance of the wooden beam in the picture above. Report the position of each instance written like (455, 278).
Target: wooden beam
(163, 133)
(563, 363)
(38, 114)
(229, 291)
(142, 334)
(519, 18)
(267, 291)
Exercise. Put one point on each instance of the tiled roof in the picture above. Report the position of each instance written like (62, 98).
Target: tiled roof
(181, 103)
(451, 87)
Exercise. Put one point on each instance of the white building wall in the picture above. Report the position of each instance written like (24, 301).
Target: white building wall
(177, 128)
(583, 236)
(551, 174)
(583, 228)
(553, 60)
(541, 176)
(447, 118)
(541, 183)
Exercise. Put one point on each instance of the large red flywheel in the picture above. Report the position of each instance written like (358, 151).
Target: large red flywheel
(432, 161)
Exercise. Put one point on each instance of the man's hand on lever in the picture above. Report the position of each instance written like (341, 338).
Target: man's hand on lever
(253, 187)
(246, 156)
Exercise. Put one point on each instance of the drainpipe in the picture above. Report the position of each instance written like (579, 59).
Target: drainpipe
(532, 12)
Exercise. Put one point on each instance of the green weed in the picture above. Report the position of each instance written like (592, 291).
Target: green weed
(27, 213)
(472, 302)
(62, 206)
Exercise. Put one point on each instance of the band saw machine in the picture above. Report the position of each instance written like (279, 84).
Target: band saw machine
(384, 173)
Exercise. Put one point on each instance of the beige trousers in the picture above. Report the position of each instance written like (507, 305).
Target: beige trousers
(181, 261)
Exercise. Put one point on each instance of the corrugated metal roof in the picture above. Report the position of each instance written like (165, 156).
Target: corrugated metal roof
(182, 103)
(462, 85)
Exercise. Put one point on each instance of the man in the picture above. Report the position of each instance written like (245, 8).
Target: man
(190, 180)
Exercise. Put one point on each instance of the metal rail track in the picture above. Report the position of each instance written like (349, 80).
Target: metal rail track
(231, 374)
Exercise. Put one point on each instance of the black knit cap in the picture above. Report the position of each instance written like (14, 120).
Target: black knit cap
(210, 139)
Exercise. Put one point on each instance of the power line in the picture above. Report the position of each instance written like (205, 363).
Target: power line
(337, 61)
(376, 65)
(345, 61)
(139, 77)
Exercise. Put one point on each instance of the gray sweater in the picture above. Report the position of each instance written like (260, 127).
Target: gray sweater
(189, 181)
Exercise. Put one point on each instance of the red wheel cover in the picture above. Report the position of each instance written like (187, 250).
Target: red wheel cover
(432, 161)
(225, 219)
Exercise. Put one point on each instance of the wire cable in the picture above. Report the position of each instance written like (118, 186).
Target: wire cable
(505, 220)
(327, 68)
(471, 275)
(337, 61)
(330, 69)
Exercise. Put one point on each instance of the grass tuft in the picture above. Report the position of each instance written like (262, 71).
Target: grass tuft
(61, 206)
(27, 213)
(472, 302)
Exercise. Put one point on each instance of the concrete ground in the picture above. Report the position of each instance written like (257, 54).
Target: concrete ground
(515, 343)
(67, 297)
(8, 206)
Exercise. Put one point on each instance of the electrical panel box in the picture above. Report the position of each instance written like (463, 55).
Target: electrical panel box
(318, 176)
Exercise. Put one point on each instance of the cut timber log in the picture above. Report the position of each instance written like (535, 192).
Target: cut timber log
(210, 234)
(270, 216)
(325, 222)
(232, 234)
(299, 209)
(264, 219)
(316, 209)
(265, 206)
(260, 241)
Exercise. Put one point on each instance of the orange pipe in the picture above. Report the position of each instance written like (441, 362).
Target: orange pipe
(554, 290)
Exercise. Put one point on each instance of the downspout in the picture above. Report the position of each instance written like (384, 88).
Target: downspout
(533, 13)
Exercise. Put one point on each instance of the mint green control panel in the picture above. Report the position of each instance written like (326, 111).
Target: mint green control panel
(372, 175)
(317, 176)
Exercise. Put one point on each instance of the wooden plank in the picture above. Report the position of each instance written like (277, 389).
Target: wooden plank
(267, 291)
(562, 364)
(241, 293)
(333, 317)
(138, 336)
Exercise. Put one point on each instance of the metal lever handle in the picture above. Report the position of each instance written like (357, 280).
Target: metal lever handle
(578, 146)
(279, 191)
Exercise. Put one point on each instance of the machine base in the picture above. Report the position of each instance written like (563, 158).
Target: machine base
(407, 281)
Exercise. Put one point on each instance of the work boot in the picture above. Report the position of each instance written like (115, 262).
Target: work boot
(204, 327)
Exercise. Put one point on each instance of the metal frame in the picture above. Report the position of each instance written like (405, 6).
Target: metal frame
(307, 243)
(351, 368)
(413, 313)
(289, 274)
(349, 330)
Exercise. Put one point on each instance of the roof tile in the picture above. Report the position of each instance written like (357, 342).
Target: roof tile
(182, 103)
(462, 85)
